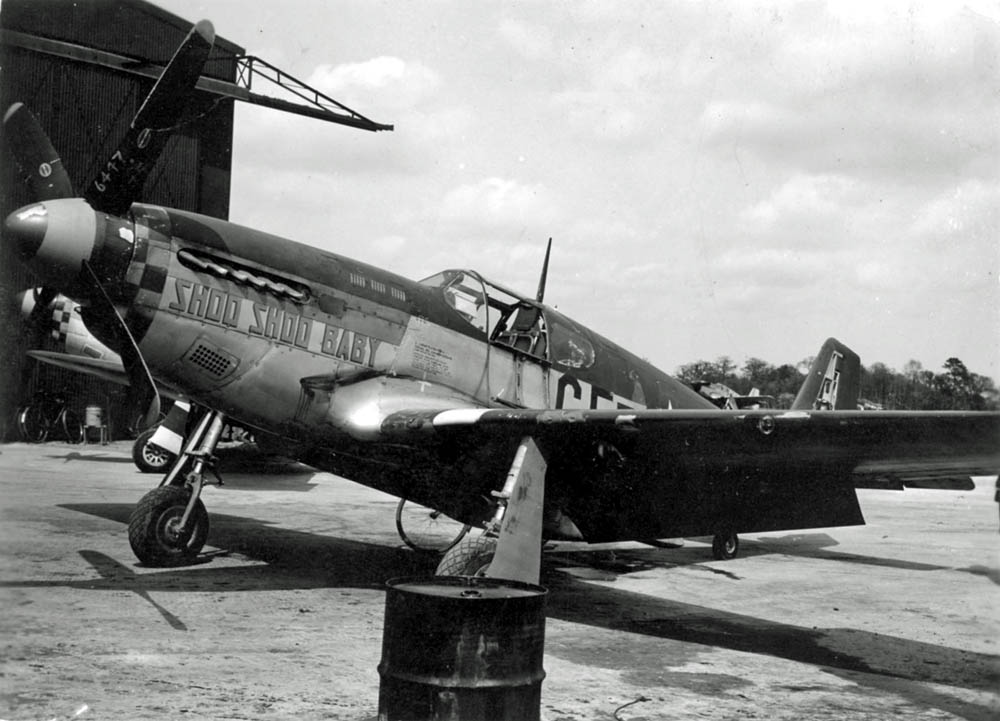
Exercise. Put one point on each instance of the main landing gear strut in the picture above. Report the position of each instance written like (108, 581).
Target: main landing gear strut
(511, 545)
(169, 525)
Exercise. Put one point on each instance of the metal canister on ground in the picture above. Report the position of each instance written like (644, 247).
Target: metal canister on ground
(93, 418)
(462, 648)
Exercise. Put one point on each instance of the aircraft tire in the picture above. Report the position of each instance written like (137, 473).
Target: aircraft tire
(149, 457)
(151, 528)
(470, 557)
(725, 545)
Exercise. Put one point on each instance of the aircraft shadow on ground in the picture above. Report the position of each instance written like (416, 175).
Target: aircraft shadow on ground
(294, 559)
(90, 457)
(801, 545)
(244, 467)
(299, 560)
(276, 479)
(236, 460)
(247, 459)
(863, 657)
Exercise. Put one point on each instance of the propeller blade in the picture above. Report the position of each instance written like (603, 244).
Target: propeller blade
(143, 395)
(143, 398)
(41, 299)
(35, 155)
(121, 180)
(36, 314)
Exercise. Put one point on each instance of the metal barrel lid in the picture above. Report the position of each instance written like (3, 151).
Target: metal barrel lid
(469, 588)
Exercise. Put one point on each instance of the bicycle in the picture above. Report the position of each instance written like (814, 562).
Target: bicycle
(47, 414)
(424, 529)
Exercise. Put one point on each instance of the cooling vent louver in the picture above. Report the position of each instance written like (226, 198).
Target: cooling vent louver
(223, 268)
(212, 360)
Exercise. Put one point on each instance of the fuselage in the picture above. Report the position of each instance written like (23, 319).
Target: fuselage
(287, 337)
(318, 348)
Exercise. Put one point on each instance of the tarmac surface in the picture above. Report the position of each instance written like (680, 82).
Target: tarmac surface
(283, 616)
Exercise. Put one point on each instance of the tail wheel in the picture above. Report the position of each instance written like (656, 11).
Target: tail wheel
(149, 457)
(426, 530)
(72, 426)
(725, 545)
(154, 530)
(470, 557)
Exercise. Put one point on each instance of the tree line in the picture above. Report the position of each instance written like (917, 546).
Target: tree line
(955, 387)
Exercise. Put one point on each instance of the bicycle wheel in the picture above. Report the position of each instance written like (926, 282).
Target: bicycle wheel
(72, 427)
(31, 424)
(424, 529)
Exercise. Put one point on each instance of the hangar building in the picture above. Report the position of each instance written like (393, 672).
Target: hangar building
(84, 68)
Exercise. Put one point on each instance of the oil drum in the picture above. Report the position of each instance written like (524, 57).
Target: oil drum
(462, 648)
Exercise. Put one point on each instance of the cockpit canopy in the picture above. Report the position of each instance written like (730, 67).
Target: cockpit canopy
(510, 319)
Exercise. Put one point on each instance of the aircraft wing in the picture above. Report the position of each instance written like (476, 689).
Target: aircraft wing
(106, 369)
(856, 436)
(676, 472)
(109, 370)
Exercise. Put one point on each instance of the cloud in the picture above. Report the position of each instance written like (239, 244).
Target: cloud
(743, 178)
(913, 272)
(970, 212)
(953, 238)
(598, 114)
(496, 202)
(533, 42)
(817, 213)
(385, 89)
(618, 98)
(389, 246)
(873, 94)
(398, 84)
(809, 199)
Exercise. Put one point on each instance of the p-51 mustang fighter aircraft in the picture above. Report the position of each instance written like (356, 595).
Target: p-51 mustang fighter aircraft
(454, 392)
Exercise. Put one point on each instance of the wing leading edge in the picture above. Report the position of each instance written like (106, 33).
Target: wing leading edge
(847, 435)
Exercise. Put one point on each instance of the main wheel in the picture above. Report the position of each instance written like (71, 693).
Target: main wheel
(154, 528)
(149, 457)
(31, 424)
(71, 426)
(725, 545)
(470, 557)
(424, 529)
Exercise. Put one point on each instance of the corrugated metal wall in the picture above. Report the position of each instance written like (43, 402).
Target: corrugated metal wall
(85, 109)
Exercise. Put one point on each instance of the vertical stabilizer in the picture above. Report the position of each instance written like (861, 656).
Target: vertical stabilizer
(833, 382)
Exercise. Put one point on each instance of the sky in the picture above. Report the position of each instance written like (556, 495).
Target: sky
(736, 179)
